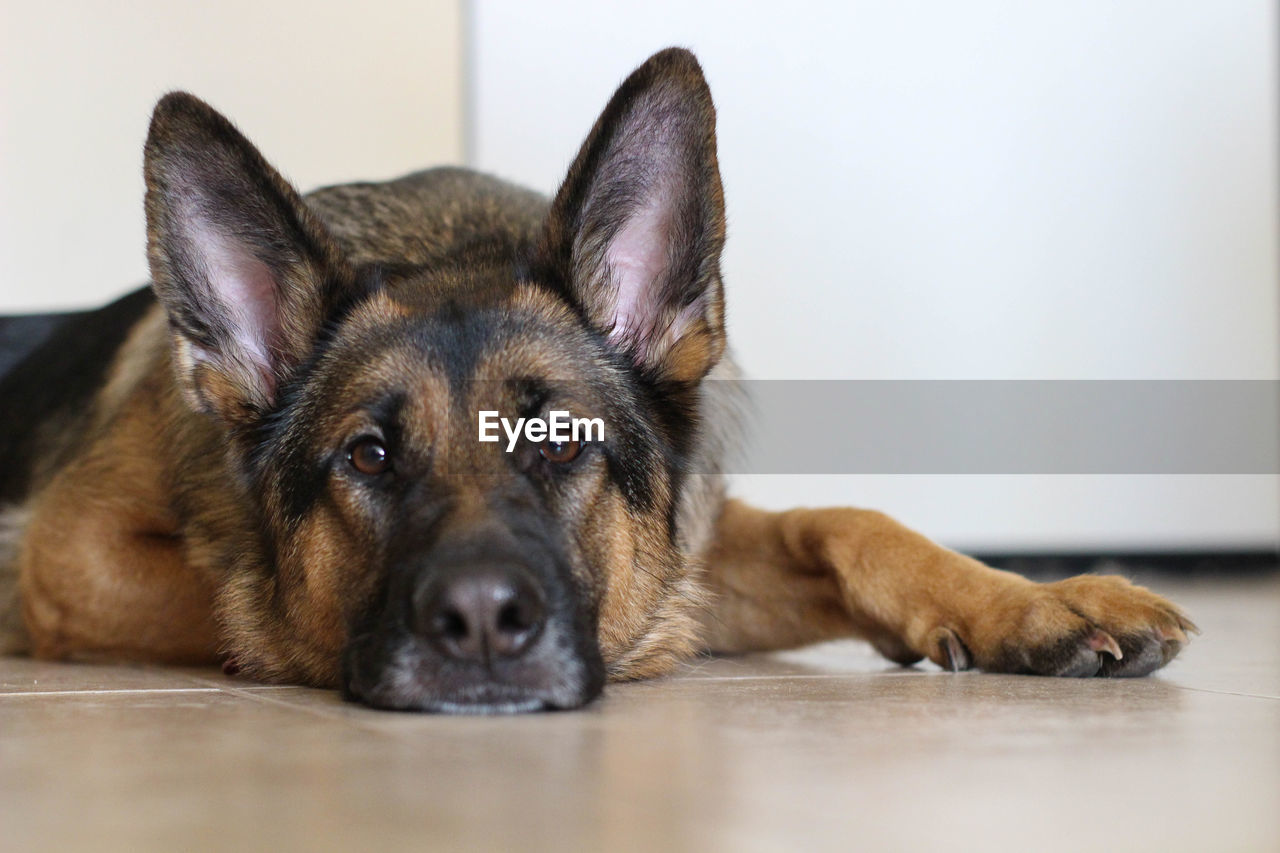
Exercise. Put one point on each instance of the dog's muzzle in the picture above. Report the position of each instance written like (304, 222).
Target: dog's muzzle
(476, 630)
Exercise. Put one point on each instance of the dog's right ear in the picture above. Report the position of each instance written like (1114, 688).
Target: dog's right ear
(244, 270)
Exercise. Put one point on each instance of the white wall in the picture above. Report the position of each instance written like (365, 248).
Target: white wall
(329, 91)
(969, 189)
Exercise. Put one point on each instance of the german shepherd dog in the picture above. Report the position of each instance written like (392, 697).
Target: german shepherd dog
(270, 458)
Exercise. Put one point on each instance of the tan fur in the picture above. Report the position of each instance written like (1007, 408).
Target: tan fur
(103, 571)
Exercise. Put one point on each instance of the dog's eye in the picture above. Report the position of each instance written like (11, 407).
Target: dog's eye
(369, 456)
(560, 452)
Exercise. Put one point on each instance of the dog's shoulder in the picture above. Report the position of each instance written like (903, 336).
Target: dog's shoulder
(427, 215)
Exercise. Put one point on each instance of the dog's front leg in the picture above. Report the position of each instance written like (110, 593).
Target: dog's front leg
(790, 578)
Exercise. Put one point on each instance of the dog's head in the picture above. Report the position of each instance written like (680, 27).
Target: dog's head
(394, 552)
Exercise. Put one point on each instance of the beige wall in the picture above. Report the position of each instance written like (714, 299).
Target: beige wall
(329, 91)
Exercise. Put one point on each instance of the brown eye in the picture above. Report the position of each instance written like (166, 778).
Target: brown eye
(560, 452)
(369, 456)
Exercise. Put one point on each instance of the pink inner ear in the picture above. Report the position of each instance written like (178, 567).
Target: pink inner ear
(245, 290)
(637, 261)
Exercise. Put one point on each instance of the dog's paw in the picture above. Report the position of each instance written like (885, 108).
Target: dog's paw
(1079, 627)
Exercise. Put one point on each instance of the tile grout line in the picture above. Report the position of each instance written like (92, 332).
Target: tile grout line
(258, 696)
(350, 719)
(27, 693)
(794, 675)
(1227, 692)
(878, 675)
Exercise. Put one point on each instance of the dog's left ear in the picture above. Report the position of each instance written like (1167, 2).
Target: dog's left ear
(637, 227)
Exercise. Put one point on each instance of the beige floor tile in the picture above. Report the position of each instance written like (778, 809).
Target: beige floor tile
(820, 749)
(25, 676)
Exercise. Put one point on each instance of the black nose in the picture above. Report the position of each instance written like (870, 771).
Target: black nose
(481, 613)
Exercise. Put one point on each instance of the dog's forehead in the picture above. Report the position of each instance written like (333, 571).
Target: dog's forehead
(465, 352)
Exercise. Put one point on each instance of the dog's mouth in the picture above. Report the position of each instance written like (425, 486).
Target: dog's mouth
(483, 699)
(403, 673)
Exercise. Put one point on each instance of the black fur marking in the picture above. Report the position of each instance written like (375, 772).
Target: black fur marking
(457, 334)
(343, 297)
(57, 383)
(1068, 656)
(1144, 653)
(531, 395)
(288, 459)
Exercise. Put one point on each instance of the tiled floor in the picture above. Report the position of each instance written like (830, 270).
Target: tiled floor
(823, 749)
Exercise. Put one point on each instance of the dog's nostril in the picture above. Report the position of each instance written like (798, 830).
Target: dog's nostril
(481, 613)
(514, 617)
(450, 624)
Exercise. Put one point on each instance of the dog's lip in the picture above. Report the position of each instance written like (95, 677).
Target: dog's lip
(523, 706)
(411, 689)
(478, 699)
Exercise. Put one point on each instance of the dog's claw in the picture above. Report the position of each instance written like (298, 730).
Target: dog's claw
(1101, 641)
(952, 654)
